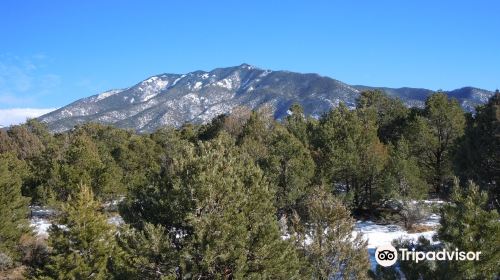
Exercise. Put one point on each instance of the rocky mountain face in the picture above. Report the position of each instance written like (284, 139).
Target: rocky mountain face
(197, 97)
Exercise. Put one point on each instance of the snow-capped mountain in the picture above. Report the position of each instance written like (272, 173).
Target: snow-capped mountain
(197, 97)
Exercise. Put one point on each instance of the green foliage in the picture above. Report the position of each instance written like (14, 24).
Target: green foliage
(352, 157)
(235, 232)
(466, 224)
(330, 251)
(162, 197)
(402, 178)
(478, 156)
(290, 168)
(25, 143)
(13, 206)
(385, 273)
(434, 137)
(254, 138)
(82, 245)
(151, 252)
(81, 165)
(298, 124)
(426, 269)
(212, 130)
(391, 113)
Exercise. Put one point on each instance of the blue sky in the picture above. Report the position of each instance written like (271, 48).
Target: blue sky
(54, 52)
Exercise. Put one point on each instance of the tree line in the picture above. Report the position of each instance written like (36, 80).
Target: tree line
(246, 196)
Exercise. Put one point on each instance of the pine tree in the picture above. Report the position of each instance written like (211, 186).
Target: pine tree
(235, 232)
(402, 178)
(81, 165)
(26, 143)
(478, 156)
(82, 244)
(290, 167)
(140, 156)
(327, 240)
(254, 138)
(467, 225)
(6, 143)
(297, 124)
(391, 113)
(351, 156)
(151, 252)
(434, 137)
(13, 207)
(161, 197)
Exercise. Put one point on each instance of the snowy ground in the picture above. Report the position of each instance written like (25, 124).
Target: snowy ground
(384, 234)
(41, 217)
(40, 226)
(378, 235)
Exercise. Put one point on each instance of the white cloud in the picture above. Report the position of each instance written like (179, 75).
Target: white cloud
(25, 80)
(20, 115)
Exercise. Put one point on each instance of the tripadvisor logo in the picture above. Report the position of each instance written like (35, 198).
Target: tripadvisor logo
(387, 255)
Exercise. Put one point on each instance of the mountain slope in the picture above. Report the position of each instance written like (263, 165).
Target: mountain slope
(468, 97)
(173, 99)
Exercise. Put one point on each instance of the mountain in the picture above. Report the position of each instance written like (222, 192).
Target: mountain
(174, 99)
(468, 97)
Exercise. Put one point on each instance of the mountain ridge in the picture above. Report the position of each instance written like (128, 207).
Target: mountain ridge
(199, 96)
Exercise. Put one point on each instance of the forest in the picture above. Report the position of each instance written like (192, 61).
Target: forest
(249, 197)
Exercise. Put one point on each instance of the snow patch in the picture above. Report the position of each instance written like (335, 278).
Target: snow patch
(378, 235)
(107, 94)
(40, 226)
(225, 83)
(152, 87)
(265, 73)
(116, 220)
(197, 85)
(178, 79)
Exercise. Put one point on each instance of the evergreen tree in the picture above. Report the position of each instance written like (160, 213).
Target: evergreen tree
(478, 156)
(13, 207)
(81, 165)
(290, 167)
(255, 137)
(82, 244)
(466, 225)
(327, 240)
(235, 232)
(150, 252)
(140, 157)
(6, 143)
(391, 113)
(211, 130)
(44, 176)
(161, 197)
(297, 124)
(26, 143)
(434, 138)
(351, 156)
(402, 178)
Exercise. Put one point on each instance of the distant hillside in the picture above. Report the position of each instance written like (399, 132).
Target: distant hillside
(174, 99)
